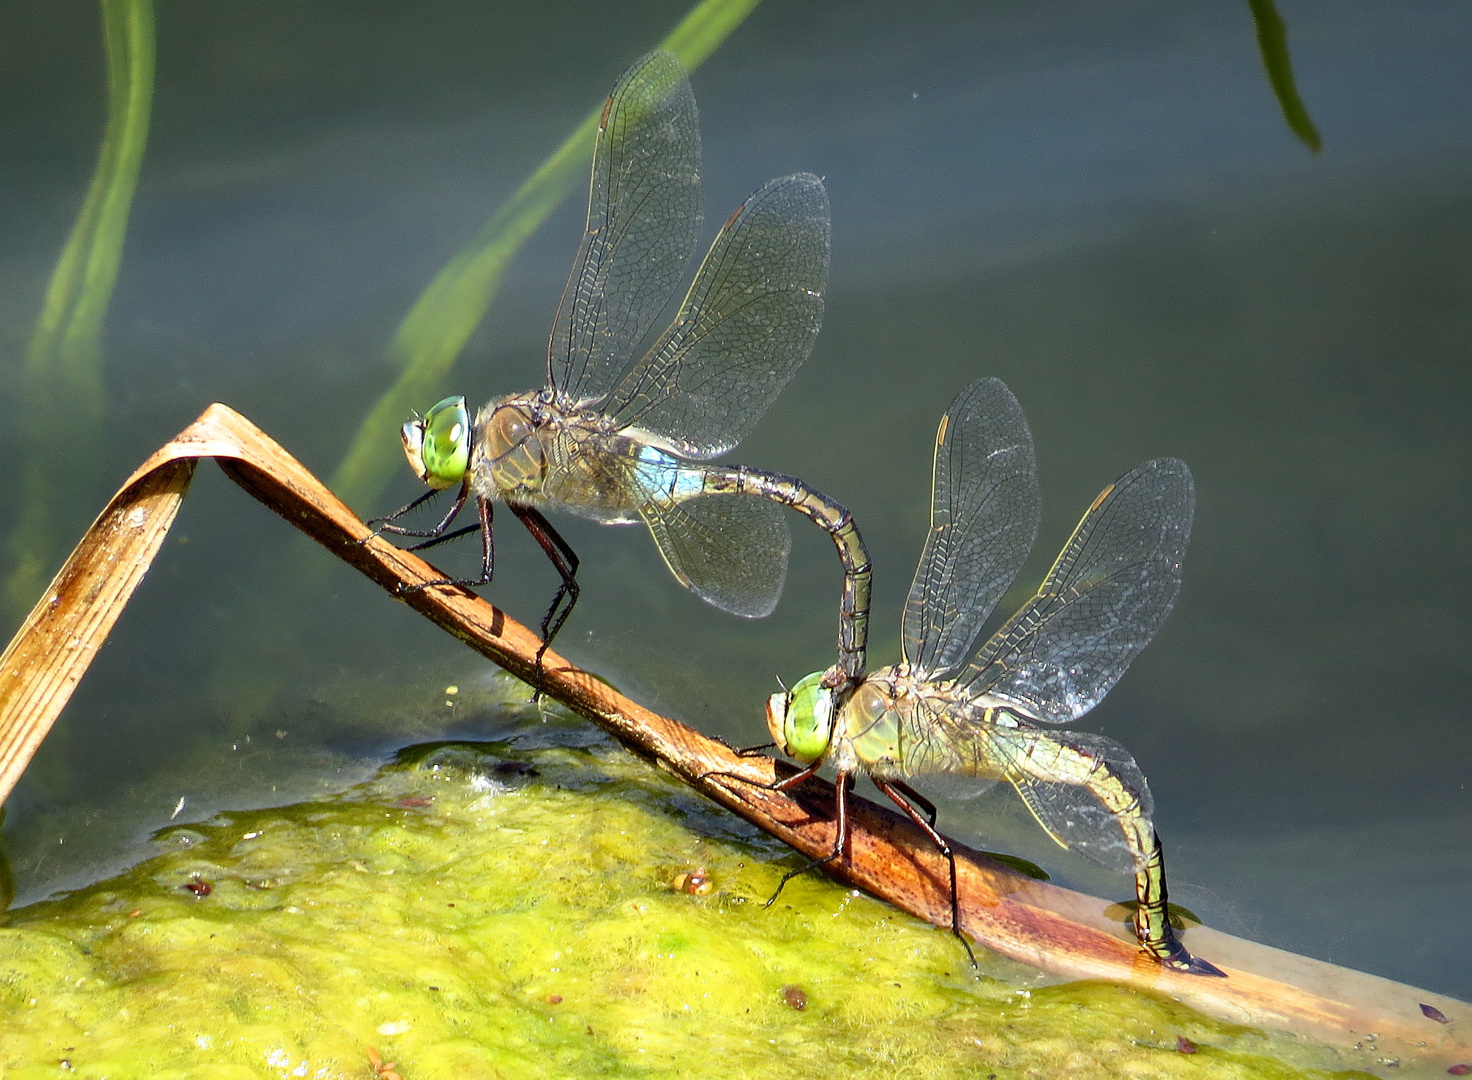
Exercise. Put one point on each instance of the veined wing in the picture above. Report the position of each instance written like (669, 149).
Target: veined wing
(1084, 790)
(945, 746)
(643, 222)
(983, 520)
(730, 550)
(747, 323)
(1102, 602)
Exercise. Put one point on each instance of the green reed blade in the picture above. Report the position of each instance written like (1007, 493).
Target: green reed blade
(431, 336)
(1272, 39)
(63, 379)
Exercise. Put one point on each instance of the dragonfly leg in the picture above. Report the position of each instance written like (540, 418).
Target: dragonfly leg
(1152, 920)
(487, 552)
(844, 783)
(780, 785)
(795, 779)
(566, 561)
(916, 799)
(385, 524)
(438, 540)
(900, 795)
(840, 839)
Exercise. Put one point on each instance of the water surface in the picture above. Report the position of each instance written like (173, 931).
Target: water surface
(1101, 205)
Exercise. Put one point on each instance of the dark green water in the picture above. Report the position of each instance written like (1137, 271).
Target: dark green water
(1098, 203)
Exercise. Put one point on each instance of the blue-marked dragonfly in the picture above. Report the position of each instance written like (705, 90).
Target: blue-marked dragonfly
(621, 441)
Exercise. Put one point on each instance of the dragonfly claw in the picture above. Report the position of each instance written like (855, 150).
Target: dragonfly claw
(1176, 958)
(839, 684)
(1194, 965)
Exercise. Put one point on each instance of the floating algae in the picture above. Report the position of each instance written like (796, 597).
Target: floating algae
(544, 905)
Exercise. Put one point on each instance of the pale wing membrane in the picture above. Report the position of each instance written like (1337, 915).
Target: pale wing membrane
(1084, 790)
(1102, 602)
(731, 550)
(955, 785)
(946, 746)
(983, 520)
(643, 223)
(748, 323)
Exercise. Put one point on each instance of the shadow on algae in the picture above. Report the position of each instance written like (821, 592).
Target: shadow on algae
(541, 905)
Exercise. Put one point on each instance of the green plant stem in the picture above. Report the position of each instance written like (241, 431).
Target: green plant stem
(1272, 39)
(436, 329)
(63, 379)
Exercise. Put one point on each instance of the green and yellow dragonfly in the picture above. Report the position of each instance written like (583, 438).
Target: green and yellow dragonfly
(621, 441)
(949, 710)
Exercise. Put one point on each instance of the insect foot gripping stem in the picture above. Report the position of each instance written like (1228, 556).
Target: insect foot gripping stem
(1152, 921)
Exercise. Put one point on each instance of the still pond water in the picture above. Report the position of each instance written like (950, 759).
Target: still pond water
(1100, 204)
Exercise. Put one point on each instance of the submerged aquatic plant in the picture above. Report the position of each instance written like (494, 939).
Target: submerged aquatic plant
(1272, 41)
(63, 371)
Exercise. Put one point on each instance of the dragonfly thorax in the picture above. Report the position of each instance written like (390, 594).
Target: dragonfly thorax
(867, 735)
(890, 728)
(510, 458)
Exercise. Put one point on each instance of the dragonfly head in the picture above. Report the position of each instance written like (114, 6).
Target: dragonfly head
(437, 444)
(801, 719)
(513, 447)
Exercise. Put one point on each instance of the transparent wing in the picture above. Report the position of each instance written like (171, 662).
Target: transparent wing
(1084, 790)
(730, 550)
(946, 745)
(1102, 602)
(643, 222)
(746, 325)
(983, 520)
(954, 785)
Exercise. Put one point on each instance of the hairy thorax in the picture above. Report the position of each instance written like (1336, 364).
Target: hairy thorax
(535, 450)
(899, 724)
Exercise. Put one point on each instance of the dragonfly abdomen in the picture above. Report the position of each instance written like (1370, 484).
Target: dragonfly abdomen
(833, 518)
(1032, 755)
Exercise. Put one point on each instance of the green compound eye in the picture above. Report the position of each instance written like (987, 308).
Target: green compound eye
(438, 444)
(801, 720)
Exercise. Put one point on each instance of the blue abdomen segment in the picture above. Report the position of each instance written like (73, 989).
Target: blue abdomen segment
(662, 477)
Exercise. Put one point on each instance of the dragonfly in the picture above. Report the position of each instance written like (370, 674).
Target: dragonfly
(959, 716)
(621, 441)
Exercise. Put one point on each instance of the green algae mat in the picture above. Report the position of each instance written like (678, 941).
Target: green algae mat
(541, 905)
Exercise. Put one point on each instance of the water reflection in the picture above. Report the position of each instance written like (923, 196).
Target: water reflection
(1101, 207)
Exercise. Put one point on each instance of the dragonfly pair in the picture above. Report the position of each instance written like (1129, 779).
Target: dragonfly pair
(620, 442)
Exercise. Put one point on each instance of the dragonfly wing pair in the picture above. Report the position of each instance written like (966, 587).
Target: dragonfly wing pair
(1053, 661)
(745, 326)
(731, 552)
(1106, 596)
(1084, 790)
(644, 219)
